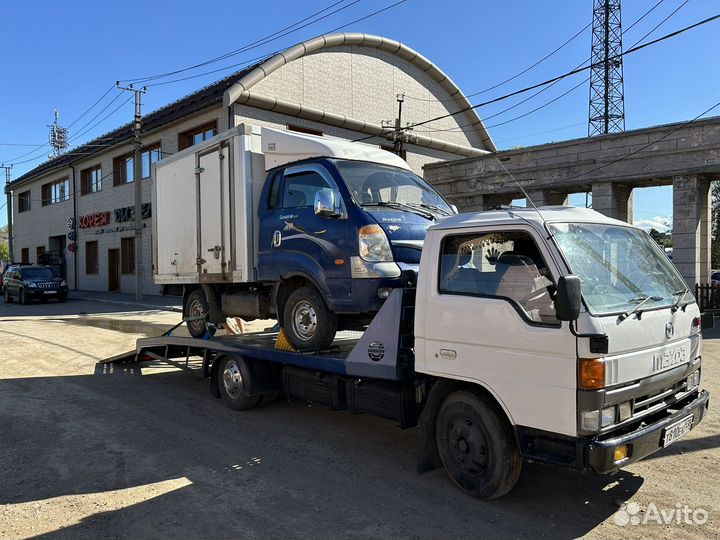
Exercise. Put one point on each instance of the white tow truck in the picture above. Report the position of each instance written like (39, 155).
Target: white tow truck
(555, 335)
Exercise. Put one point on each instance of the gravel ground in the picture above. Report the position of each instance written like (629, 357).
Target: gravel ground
(87, 451)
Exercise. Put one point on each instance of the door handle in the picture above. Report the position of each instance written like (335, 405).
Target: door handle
(448, 354)
(215, 250)
(277, 239)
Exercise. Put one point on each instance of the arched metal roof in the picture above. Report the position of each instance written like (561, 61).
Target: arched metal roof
(239, 92)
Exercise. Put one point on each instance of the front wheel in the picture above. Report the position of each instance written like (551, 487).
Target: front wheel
(23, 297)
(6, 296)
(197, 306)
(477, 445)
(308, 321)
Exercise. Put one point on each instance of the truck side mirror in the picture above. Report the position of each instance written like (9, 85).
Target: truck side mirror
(327, 203)
(568, 298)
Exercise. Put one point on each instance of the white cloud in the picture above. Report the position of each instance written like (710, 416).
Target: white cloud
(659, 223)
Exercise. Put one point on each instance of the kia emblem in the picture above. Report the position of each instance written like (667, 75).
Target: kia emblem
(669, 330)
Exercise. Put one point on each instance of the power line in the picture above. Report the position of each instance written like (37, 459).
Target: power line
(258, 58)
(658, 25)
(253, 45)
(509, 78)
(91, 107)
(569, 73)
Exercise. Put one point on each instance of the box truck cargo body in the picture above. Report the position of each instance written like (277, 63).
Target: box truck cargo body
(259, 222)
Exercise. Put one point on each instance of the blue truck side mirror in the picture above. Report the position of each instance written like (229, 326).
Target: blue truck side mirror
(327, 203)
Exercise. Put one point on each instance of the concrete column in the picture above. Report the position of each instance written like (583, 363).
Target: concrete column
(692, 228)
(613, 200)
(546, 197)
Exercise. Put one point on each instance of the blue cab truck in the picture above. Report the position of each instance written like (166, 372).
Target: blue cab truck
(314, 231)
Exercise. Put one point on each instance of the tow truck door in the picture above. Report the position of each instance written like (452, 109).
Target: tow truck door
(489, 318)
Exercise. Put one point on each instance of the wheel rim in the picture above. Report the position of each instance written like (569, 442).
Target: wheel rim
(467, 445)
(195, 309)
(304, 319)
(232, 379)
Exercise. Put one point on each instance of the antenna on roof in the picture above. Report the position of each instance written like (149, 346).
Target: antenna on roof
(58, 137)
(527, 197)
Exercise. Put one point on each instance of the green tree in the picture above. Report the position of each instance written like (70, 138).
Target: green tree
(715, 243)
(657, 236)
(4, 248)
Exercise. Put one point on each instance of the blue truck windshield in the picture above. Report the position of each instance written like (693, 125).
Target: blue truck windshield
(375, 184)
(619, 267)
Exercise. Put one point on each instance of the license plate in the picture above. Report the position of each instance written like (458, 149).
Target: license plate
(676, 430)
(48, 292)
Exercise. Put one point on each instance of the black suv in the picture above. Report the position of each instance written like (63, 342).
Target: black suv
(33, 282)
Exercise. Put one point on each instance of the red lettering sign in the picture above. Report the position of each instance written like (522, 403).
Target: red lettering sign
(98, 219)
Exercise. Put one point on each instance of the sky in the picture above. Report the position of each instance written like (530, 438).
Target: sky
(66, 55)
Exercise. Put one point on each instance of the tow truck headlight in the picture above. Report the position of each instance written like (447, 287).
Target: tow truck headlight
(693, 380)
(608, 416)
(374, 245)
(590, 420)
(625, 410)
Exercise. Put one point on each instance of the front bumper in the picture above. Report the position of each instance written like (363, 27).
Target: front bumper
(599, 454)
(37, 293)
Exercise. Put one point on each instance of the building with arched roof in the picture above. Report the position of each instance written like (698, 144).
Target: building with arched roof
(344, 85)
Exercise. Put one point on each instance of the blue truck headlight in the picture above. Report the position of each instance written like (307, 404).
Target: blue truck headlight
(31, 285)
(374, 245)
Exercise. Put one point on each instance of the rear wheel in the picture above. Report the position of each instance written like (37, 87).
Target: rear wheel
(234, 380)
(477, 445)
(6, 296)
(308, 322)
(197, 305)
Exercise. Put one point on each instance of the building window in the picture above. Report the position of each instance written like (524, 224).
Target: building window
(303, 129)
(55, 192)
(91, 180)
(25, 255)
(91, 257)
(127, 255)
(124, 166)
(40, 255)
(197, 135)
(24, 201)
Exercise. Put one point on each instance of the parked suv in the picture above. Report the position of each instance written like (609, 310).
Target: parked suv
(33, 282)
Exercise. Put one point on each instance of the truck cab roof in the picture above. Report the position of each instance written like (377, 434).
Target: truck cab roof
(508, 216)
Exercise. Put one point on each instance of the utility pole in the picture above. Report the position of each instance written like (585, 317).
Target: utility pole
(8, 192)
(398, 135)
(137, 179)
(607, 102)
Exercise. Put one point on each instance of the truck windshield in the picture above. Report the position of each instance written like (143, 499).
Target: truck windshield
(619, 267)
(375, 184)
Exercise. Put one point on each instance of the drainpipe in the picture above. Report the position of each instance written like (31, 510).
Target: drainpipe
(75, 253)
(8, 192)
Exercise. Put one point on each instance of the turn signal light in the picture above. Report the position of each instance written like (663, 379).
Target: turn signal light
(591, 374)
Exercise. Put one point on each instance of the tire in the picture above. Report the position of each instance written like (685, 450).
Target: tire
(477, 445)
(269, 398)
(23, 299)
(309, 324)
(6, 296)
(234, 378)
(197, 304)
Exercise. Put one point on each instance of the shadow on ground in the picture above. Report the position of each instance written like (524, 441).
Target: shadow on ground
(288, 470)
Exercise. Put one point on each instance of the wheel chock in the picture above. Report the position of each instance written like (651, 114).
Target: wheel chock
(282, 343)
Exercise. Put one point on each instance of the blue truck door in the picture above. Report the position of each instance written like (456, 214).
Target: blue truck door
(294, 240)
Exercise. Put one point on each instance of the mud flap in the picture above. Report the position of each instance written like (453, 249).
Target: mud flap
(428, 458)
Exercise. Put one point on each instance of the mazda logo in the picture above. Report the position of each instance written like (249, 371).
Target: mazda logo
(669, 330)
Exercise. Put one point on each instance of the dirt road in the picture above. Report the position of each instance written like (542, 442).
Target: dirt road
(89, 452)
